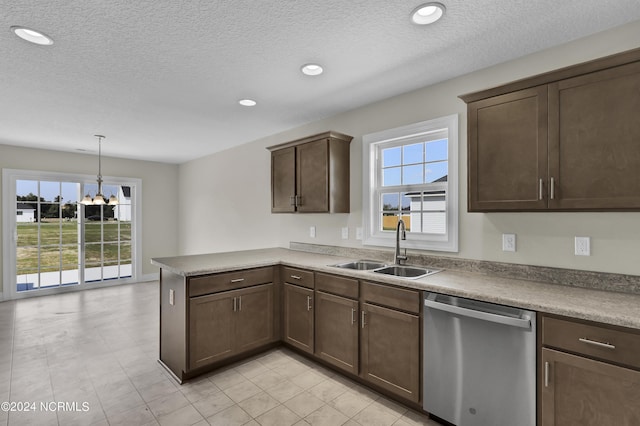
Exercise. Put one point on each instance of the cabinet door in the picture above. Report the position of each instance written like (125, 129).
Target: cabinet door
(298, 317)
(594, 135)
(283, 180)
(390, 345)
(580, 391)
(508, 151)
(312, 177)
(254, 317)
(210, 328)
(337, 331)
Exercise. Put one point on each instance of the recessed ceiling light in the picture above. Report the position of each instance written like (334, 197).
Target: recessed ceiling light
(311, 69)
(247, 102)
(32, 36)
(427, 13)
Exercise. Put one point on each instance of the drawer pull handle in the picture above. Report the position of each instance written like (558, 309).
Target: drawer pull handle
(239, 303)
(363, 319)
(237, 280)
(546, 374)
(595, 343)
(296, 277)
(552, 187)
(235, 304)
(308, 303)
(353, 316)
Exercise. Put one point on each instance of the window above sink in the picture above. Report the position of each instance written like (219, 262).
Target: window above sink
(411, 173)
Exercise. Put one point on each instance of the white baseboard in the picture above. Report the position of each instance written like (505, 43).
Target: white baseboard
(150, 277)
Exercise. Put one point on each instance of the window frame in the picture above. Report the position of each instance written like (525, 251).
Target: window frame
(9, 208)
(372, 184)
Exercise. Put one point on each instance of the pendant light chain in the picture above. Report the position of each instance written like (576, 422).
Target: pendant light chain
(99, 198)
(100, 137)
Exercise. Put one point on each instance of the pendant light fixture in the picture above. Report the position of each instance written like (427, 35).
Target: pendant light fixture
(99, 198)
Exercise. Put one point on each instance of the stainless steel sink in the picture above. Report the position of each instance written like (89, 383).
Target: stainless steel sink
(410, 272)
(361, 265)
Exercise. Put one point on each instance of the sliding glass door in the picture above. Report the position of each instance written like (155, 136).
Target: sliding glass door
(59, 242)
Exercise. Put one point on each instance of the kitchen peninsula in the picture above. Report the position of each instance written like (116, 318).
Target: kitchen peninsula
(241, 298)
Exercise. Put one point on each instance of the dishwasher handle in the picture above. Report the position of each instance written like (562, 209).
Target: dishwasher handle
(524, 322)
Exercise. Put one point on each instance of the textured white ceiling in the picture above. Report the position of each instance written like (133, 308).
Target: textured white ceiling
(162, 78)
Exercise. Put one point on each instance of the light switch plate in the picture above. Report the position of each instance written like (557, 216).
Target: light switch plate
(508, 242)
(583, 246)
(345, 233)
(312, 231)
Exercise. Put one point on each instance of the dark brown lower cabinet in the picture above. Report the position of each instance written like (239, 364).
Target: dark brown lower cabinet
(209, 343)
(337, 331)
(298, 317)
(390, 350)
(254, 317)
(582, 391)
(227, 323)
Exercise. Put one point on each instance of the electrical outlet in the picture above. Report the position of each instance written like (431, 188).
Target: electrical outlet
(508, 242)
(345, 233)
(359, 233)
(312, 231)
(583, 246)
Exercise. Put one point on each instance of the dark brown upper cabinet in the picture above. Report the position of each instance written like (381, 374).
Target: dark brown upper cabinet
(568, 140)
(311, 175)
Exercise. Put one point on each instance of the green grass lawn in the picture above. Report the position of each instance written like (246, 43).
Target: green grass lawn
(61, 238)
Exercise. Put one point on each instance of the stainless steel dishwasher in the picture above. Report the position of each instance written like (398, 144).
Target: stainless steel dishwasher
(479, 362)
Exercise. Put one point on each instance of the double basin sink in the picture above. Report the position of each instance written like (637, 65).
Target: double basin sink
(410, 272)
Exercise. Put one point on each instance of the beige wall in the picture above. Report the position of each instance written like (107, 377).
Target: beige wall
(159, 187)
(237, 181)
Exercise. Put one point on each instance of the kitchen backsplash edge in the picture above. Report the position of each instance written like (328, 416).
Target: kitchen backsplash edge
(569, 277)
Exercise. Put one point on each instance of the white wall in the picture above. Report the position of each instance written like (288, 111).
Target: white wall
(236, 182)
(159, 186)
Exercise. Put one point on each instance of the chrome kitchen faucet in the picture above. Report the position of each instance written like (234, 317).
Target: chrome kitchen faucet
(398, 258)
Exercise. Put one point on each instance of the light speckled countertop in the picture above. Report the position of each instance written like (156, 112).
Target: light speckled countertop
(596, 305)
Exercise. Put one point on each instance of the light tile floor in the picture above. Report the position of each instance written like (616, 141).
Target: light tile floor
(97, 352)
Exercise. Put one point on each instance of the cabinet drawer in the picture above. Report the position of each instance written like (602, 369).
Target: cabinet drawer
(229, 280)
(392, 297)
(598, 341)
(340, 286)
(297, 276)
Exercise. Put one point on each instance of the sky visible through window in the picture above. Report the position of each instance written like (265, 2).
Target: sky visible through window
(418, 163)
(49, 190)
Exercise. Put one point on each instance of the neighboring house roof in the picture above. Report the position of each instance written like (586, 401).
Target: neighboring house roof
(24, 206)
